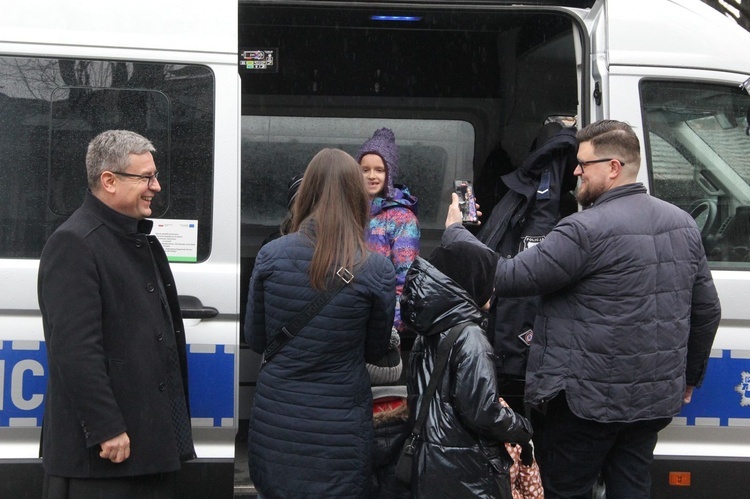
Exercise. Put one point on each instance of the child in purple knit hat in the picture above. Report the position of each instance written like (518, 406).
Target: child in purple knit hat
(394, 233)
(394, 228)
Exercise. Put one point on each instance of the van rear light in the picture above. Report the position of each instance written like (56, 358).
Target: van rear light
(679, 478)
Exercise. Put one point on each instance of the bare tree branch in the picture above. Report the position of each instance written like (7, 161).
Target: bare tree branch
(741, 6)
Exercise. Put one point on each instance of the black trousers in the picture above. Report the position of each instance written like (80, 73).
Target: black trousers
(572, 452)
(157, 486)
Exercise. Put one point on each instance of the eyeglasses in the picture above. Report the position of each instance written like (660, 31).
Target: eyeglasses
(583, 164)
(134, 175)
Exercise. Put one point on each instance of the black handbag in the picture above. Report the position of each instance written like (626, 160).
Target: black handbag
(406, 458)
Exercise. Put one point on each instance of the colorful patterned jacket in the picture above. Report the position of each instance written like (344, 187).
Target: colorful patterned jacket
(394, 233)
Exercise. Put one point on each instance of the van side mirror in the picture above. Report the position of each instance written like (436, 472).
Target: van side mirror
(745, 85)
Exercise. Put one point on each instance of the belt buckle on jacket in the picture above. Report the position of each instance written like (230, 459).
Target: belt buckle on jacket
(345, 275)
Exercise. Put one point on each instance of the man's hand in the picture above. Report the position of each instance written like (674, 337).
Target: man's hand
(116, 449)
(688, 394)
(454, 212)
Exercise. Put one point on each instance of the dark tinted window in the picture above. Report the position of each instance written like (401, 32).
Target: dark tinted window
(51, 108)
(432, 154)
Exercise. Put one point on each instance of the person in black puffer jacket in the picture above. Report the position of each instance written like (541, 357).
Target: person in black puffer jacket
(461, 450)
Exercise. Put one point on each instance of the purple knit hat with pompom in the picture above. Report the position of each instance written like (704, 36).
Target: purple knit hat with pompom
(383, 143)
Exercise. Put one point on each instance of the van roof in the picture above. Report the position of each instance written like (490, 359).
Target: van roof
(583, 4)
(675, 33)
(198, 26)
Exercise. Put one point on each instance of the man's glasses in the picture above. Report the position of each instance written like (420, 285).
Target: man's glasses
(583, 164)
(134, 175)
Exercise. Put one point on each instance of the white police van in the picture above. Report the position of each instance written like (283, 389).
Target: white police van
(466, 85)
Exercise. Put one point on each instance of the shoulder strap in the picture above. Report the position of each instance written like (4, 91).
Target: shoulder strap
(441, 361)
(311, 310)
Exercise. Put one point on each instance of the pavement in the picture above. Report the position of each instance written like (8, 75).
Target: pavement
(243, 486)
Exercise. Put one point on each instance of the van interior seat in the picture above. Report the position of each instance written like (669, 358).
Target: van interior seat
(734, 236)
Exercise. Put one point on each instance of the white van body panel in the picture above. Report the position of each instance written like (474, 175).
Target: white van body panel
(202, 33)
(683, 41)
(169, 25)
(669, 35)
(674, 33)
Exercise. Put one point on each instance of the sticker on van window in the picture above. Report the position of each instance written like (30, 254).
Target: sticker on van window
(178, 237)
(264, 60)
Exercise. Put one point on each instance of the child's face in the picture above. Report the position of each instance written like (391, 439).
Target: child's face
(373, 170)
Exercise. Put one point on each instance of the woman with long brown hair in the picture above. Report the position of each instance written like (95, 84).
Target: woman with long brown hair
(311, 424)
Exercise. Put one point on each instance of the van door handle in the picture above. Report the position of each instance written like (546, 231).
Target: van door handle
(192, 308)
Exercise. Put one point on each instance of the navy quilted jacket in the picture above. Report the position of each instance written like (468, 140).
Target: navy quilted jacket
(311, 426)
(629, 311)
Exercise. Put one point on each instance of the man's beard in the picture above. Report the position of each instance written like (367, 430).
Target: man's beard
(588, 196)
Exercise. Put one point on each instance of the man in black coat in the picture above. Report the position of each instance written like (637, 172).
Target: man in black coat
(116, 420)
(627, 318)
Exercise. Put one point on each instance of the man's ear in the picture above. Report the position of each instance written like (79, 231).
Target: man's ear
(107, 181)
(615, 168)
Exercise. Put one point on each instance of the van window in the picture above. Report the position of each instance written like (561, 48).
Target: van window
(51, 108)
(697, 145)
(432, 153)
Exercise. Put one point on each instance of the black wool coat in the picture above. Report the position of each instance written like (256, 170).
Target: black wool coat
(106, 329)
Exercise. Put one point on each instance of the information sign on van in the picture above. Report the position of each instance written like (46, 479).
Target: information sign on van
(178, 237)
(264, 60)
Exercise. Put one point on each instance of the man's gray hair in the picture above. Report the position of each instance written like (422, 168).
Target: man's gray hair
(111, 150)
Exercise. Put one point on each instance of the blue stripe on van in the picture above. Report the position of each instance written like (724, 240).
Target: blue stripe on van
(722, 400)
(23, 367)
(23, 373)
(724, 397)
(211, 384)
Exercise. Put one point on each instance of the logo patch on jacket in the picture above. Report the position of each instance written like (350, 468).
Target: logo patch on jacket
(526, 336)
(543, 191)
(529, 241)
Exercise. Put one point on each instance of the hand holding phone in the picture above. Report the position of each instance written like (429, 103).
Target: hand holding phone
(466, 201)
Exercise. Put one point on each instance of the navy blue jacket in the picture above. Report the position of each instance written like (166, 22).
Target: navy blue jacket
(629, 309)
(311, 425)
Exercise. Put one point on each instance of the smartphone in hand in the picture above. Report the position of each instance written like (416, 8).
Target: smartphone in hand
(466, 201)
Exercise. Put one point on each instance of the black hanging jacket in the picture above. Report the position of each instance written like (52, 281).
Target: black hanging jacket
(523, 217)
